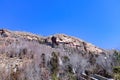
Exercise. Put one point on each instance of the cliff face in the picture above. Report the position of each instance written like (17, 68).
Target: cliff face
(26, 56)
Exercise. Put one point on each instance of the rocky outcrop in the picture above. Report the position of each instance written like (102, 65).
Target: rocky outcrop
(75, 43)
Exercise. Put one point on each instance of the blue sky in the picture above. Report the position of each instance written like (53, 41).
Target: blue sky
(95, 21)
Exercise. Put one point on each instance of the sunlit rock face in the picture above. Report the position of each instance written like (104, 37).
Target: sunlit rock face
(26, 56)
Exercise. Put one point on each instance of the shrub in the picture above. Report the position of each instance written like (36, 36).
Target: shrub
(117, 58)
(116, 71)
(54, 63)
(54, 76)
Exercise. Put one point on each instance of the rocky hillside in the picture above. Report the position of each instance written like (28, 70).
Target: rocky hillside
(26, 56)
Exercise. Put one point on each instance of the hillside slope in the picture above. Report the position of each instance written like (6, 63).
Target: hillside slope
(26, 56)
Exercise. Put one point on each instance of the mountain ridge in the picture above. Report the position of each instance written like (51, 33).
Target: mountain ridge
(73, 41)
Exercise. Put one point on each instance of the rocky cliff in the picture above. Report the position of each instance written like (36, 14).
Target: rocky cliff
(26, 56)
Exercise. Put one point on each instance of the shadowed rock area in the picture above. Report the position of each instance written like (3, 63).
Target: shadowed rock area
(26, 56)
